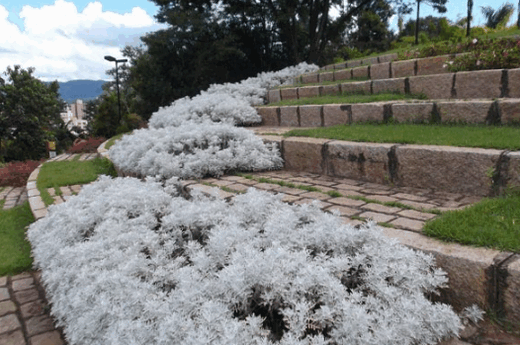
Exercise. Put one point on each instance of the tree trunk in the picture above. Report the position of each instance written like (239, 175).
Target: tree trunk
(417, 24)
(468, 24)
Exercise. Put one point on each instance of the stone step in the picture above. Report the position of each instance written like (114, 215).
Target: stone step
(475, 171)
(358, 62)
(481, 111)
(487, 84)
(378, 70)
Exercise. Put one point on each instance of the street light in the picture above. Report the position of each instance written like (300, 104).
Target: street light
(113, 59)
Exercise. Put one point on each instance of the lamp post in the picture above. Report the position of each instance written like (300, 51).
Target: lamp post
(111, 58)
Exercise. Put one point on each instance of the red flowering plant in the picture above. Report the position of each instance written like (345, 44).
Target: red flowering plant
(88, 145)
(15, 174)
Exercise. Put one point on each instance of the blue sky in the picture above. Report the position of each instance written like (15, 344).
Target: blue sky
(67, 39)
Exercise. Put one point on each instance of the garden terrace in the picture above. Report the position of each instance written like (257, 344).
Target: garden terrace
(187, 232)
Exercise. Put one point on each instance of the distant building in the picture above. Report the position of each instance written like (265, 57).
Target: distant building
(73, 115)
(78, 109)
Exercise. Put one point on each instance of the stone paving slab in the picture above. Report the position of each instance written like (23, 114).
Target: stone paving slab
(24, 316)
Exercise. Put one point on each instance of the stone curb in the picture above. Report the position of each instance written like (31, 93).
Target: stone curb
(38, 208)
(489, 84)
(101, 149)
(498, 111)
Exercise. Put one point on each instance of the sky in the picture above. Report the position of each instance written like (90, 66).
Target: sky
(67, 39)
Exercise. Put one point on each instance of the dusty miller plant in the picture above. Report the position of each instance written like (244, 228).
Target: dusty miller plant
(196, 137)
(139, 262)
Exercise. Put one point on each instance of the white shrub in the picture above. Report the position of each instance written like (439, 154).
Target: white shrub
(193, 150)
(191, 146)
(216, 107)
(131, 262)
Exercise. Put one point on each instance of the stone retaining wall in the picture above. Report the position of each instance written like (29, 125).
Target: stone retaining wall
(365, 61)
(502, 111)
(380, 68)
(464, 170)
(460, 85)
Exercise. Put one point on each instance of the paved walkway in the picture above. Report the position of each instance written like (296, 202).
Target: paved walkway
(356, 201)
(13, 196)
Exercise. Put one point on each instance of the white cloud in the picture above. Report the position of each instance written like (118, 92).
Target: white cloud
(64, 44)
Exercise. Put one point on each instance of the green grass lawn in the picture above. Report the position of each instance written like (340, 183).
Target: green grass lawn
(15, 251)
(348, 99)
(498, 137)
(67, 173)
(493, 223)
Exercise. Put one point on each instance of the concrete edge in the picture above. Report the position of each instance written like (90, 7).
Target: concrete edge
(101, 149)
(38, 208)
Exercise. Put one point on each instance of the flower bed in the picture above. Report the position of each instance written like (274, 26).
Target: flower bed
(133, 262)
(15, 174)
(89, 145)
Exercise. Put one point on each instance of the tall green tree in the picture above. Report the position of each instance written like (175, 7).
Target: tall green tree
(29, 115)
(438, 5)
(372, 32)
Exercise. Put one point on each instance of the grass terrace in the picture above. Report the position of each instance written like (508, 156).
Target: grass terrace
(496, 137)
(348, 99)
(15, 251)
(493, 223)
(67, 173)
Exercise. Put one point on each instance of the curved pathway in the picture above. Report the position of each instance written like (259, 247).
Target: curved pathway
(24, 311)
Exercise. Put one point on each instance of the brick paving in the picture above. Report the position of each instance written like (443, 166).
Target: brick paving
(24, 312)
(357, 201)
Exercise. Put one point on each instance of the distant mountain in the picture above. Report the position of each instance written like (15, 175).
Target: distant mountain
(80, 89)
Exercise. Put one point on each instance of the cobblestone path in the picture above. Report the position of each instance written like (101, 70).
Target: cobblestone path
(356, 201)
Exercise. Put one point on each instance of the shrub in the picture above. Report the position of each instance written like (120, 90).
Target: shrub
(88, 145)
(15, 174)
(490, 54)
(193, 150)
(133, 262)
(196, 137)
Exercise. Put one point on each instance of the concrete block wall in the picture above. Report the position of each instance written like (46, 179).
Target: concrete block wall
(502, 111)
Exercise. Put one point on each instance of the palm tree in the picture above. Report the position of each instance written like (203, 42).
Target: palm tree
(498, 18)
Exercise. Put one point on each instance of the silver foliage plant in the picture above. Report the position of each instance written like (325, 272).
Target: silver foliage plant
(139, 262)
(231, 101)
(193, 150)
(196, 137)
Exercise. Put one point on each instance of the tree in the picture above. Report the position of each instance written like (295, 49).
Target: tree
(498, 18)
(372, 32)
(438, 5)
(29, 115)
